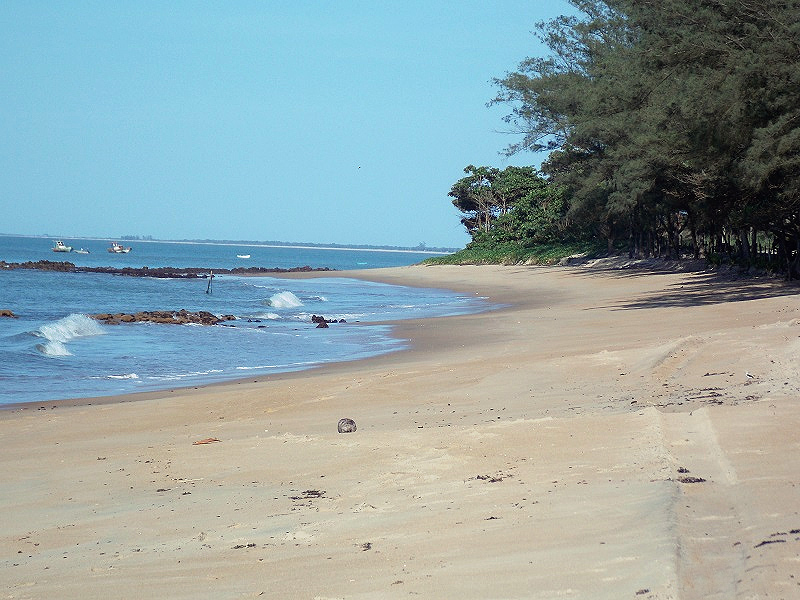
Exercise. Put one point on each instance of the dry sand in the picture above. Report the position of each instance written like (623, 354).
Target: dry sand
(609, 434)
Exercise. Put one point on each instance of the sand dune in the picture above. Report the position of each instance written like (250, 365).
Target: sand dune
(607, 434)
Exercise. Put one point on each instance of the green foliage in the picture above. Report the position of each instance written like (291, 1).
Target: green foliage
(665, 121)
(515, 205)
(487, 194)
(514, 253)
(474, 196)
(538, 217)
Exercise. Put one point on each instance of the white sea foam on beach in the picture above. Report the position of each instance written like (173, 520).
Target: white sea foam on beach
(59, 333)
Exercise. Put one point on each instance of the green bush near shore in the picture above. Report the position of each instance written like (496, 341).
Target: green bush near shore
(513, 254)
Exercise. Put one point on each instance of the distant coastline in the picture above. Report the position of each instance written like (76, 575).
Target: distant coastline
(253, 243)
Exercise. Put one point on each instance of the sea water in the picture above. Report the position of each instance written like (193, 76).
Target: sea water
(53, 350)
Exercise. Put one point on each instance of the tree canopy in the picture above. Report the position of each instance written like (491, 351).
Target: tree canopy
(665, 121)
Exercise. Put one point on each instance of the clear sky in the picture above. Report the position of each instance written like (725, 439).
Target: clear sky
(331, 122)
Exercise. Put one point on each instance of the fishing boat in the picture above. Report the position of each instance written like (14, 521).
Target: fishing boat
(61, 247)
(116, 248)
(81, 251)
(242, 256)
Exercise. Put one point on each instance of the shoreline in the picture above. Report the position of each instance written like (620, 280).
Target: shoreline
(606, 434)
(403, 329)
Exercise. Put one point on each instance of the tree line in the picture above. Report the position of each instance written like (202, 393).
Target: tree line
(672, 127)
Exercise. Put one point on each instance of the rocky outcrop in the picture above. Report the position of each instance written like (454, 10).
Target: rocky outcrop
(40, 265)
(183, 317)
(158, 272)
(179, 317)
(4, 312)
(322, 322)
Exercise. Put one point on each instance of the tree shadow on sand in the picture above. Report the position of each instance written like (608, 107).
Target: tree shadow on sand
(699, 288)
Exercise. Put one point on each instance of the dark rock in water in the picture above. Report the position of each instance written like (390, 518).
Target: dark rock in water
(323, 322)
(4, 312)
(41, 265)
(346, 426)
(158, 272)
(179, 317)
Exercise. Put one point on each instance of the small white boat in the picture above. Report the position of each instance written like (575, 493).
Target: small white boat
(61, 247)
(116, 248)
(242, 256)
(81, 251)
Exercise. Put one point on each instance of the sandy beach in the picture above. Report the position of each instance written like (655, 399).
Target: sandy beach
(605, 434)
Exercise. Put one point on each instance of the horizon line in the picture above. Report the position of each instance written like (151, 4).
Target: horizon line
(255, 244)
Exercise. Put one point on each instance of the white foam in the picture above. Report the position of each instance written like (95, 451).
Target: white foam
(271, 316)
(284, 300)
(181, 376)
(125, 376)
(59, 333)
(53, 349)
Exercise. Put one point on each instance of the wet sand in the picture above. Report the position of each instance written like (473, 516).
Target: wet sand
(607, 434)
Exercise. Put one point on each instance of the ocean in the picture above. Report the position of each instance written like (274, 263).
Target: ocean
(53, 350)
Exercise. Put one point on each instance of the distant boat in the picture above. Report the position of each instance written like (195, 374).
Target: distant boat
(61, 247)
(81, 251)
(242, 256)
(116, 248)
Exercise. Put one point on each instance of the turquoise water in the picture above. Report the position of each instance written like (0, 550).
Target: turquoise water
(54, 351)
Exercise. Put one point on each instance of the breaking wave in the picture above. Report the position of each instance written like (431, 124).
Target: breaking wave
(270, 316)
(58, 333)
(284, 300)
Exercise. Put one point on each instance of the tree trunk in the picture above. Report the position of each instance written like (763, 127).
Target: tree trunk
(744, 241)
(695, 244)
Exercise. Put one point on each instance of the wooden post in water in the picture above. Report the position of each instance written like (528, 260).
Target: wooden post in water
(210, 279)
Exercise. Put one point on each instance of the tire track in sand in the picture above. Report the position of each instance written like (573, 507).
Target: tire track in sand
(709, 559)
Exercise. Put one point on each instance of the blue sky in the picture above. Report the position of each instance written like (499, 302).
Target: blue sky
(332, 122)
